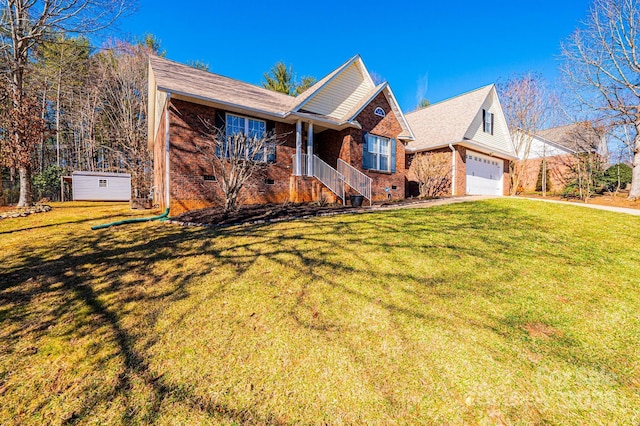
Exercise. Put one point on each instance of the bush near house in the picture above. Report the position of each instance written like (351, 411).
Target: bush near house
(432, 172)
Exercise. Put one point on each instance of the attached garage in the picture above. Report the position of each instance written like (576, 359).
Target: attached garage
(99, 186)
(472, 130)
(484, 174)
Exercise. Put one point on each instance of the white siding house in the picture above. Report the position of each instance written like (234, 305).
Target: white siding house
(100, 186)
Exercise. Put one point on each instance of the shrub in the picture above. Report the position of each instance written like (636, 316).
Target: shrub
(432, 171)
(47, 183)
(617, 177)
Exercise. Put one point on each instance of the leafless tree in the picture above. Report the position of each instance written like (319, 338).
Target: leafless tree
(528, 106)
(235, 158)
(432, 171)
(124, 69)
(24, 26)
(586, 164)
(602, 66)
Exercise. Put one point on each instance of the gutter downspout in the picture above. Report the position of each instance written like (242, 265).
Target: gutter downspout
(453, 170)
(166, 150)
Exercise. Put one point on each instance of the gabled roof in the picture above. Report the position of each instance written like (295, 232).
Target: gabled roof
(445, 122)
(303, 97)
(576, 137)
(331, 101)
(181, 79)
(452, 121)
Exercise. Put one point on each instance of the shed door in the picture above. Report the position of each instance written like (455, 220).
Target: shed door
(484, 174)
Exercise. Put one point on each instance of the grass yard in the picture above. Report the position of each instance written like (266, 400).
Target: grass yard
(504, 311)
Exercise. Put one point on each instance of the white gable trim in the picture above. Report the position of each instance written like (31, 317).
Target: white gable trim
(554, 144)
(500, 137)
(471, 144)
(364, 104)
(493, 92)
(399, 115)
(358, 60)
(393, 103)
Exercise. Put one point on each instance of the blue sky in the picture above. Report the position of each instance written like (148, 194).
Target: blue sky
(434, 49)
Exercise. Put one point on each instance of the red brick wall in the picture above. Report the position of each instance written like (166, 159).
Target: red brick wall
(331, 145)
(559, 172)
(461, 170)
(506, 181)
(388, 127)
(189, 190)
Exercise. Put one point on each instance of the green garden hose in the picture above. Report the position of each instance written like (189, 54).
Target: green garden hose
(134, 220)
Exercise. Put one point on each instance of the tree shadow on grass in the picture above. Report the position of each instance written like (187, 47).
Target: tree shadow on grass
(92, 274)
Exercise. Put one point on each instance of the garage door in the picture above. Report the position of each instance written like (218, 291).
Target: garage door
(484, 174)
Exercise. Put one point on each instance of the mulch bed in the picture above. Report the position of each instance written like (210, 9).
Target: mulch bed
(263, 213)
(215, 216)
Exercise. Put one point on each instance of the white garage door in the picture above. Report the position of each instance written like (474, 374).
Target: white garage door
(484, 174)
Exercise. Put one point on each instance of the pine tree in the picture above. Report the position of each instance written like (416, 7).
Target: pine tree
(544, 169)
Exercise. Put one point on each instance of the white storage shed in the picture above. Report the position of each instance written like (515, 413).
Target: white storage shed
(101, 186)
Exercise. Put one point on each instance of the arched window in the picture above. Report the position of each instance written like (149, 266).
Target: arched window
(379, 111)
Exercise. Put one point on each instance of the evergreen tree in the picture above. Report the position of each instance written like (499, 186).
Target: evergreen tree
(281, 79)
(544, 170)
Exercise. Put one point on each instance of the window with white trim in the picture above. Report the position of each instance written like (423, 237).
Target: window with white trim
(487, 119)
(379, 112)
(250, 127)
(380, 151)
(102, 183)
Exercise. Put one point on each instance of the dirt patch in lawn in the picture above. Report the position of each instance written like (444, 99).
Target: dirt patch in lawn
(541, 331)
(259, 213)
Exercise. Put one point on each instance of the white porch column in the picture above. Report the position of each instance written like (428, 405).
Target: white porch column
(310, 149)
(298, 170)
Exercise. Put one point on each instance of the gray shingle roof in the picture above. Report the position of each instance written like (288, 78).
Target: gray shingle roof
(447, 121)
(174, 77)
(581, 137)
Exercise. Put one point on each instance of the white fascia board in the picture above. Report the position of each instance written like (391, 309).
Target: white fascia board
(223, 103)
(394, 105)
(554, 144)
(365, 71)
(337, 73)
(473, 145)
(399, 112)
(339, 125)
(364, 105)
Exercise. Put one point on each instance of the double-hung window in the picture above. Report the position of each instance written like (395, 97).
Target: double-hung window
(379, 153)
(251, 128)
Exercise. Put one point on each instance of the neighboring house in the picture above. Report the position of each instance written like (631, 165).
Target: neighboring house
(471, 129)
(558, 146)
(342, 135)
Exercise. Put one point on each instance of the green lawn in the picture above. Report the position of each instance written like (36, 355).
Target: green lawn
(496, 312)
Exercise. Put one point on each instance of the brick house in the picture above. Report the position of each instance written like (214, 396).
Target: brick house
(470, 130)
(344, 135)
(558, 147)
